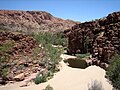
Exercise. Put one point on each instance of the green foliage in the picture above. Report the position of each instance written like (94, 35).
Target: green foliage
(48, 87)
(4, 58)
(4, 72)
(43, 77)
(85, 45)
(6, 46)
(40, 79)
(113, 71)
(51, 38)
(83, 55)
(3, 68)
(52, 54)
(47, 40)
(95, 85)
(36, 52)
(37, 80)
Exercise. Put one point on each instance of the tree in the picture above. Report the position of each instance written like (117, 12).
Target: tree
(113, 72)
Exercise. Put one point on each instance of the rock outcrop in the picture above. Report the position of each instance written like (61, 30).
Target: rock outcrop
(22, 43)
(32, 21)
(22, 58)
(101, 37)
(18, 59)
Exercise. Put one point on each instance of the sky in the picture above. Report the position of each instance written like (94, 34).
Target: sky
(78, 10)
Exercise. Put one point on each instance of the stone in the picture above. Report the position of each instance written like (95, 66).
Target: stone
(28, 79)
(10, 76)
(2, 81)
(42, 63)
(19, 77)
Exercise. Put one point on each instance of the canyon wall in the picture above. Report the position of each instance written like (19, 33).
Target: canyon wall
(100, 37)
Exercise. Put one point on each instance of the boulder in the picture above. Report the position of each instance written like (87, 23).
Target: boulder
(19, 77)
(2, 81)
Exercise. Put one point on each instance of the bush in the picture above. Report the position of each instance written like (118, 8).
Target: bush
(51, 55)
(6, 46)
(86, 45)
(4, 72)
(113, 71)
(83, 55)
(40, 78)
(43, 77)
(51, 38)
(47, 40)
(4, 57)
(95, 85)
(48, 87)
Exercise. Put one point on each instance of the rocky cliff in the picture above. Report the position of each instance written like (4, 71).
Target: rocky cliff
(100, 37)
(32, 21)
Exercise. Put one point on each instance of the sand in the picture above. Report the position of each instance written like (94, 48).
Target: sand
(68, 79)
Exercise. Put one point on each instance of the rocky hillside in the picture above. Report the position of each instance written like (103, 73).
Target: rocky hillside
(14, 48)
(100, 37)
(25, 57)
(32, 21)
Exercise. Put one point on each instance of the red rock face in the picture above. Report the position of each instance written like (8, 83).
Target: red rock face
(101, 37)
(23, 43)
(32, 21)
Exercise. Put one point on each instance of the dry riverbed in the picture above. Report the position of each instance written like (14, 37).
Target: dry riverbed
(68, 79)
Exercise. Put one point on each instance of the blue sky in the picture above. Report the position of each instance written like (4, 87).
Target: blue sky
(78, 10)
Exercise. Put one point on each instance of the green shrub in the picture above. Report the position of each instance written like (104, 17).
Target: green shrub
(3, 68)
(52, 54)
(36, 52)
(48, 87)
(6, 46)
(4, 72)
(4, 57)
(83, 55)
(47, 40)
(85, 45)
(51, 38)
(50, 75)
(40, 78)
(37, 80)
(43, 77)
(113, 71)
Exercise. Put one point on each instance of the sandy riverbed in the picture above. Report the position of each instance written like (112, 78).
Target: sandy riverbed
(68, 79)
